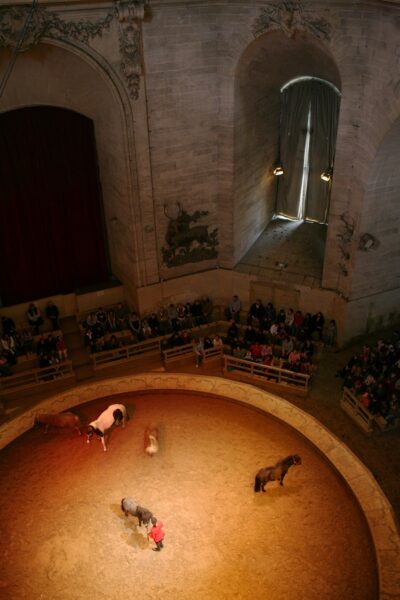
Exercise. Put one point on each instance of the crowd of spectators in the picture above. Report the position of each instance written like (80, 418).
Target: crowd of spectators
(50, 349)
(267, 328)
(373, 375)
(101, 326)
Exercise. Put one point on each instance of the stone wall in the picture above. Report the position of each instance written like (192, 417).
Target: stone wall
(184, 96)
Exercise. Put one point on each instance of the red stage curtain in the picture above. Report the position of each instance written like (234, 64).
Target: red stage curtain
(52, 236)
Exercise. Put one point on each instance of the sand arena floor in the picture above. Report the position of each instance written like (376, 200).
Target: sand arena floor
(64, 536)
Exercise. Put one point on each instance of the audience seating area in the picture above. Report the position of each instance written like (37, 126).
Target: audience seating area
(371, 388)
(113, 334)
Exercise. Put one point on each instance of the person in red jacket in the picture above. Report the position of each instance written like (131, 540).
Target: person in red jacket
(157, 534)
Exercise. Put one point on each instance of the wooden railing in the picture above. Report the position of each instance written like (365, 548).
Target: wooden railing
(34, 377)
(105, 358)
(353, 407)
(178, 352)
(187, 351)
(270, 375)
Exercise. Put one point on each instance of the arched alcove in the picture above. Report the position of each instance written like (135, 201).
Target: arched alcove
(266, 65)
(54, 75)
(52, 202)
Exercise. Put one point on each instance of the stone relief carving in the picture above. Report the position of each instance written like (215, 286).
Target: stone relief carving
(290, 17)
(41, 23)
(186, 243)
(345, 238)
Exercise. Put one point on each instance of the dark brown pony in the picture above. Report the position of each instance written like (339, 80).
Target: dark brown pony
(276, 472)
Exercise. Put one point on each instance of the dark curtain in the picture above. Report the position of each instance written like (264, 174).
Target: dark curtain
(325, 104)
(293, 129)
(52, 237)
(297, 99)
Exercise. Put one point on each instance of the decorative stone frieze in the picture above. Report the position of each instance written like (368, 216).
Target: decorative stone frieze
(290, 17)
(22, 27)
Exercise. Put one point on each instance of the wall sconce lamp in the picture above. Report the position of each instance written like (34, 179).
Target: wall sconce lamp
(327, 174)
(278, 169)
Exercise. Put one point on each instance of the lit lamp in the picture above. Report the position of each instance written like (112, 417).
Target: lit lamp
(327, 174)
(278, 169)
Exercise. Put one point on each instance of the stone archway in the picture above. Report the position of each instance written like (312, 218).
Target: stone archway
(55, 74)
(267, 63)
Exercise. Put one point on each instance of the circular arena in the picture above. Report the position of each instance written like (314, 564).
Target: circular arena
(64, 535)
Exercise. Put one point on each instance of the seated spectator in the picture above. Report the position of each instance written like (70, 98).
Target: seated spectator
(307, 349)
(281, 316)
(180, 316)
(189, 316)
(217, 342)
(206, 309)
(44, 361)
(52, 313)
(197, 313)
(270, 314)
(239, 352)
(266, 350)
(207, 342)
(135, 325)
(112, 343)
(50, 345)
(8, 326)
(256, 314)
(91, 320)
(102, 319)
(120, 316)
(232, 312)
(89, 339)
(176, 339)
(232, 336)
(255, 350)
(274, 329)
(41, 346)
(9, 349)
(5, 368)
(26, 341)
(163, 319)
(173, 316)
(247, 355)
(111, 324)
(34, 318)
(294, 360)
(297, 322)
(186, 337)
(154, 324)
(250, 336)
(289, 321)
(146, 329)
(331, 333)
(61, 349)
(307, 325)
(287, 346)
(317, 325)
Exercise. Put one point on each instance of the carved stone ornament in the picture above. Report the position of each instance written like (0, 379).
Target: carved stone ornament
(290, 17)
(22, 27)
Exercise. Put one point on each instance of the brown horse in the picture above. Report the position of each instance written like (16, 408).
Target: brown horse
(275, 472)
(66, 419)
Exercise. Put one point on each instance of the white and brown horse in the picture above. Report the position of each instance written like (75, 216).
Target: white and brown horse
(115, 414)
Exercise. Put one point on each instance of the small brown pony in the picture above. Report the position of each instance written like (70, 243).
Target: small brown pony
(275, 472)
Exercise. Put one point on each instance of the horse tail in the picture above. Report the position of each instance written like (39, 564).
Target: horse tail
(257, 484)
